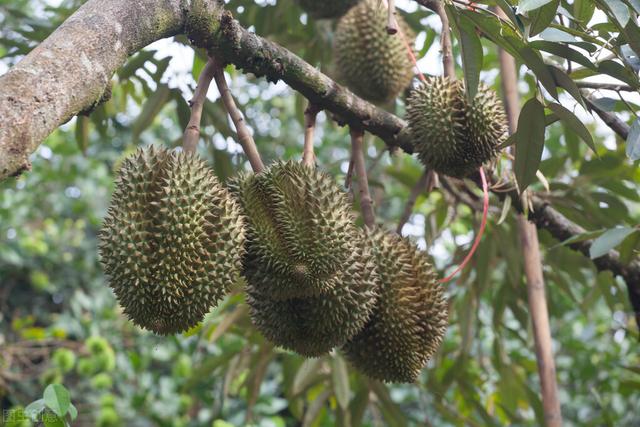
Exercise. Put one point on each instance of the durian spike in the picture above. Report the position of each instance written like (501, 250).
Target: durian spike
(483, 224)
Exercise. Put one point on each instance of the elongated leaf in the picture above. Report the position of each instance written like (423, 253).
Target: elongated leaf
(152, 107)
(574, 123)
(620, 10)
(633, 141)
(529, 142)
(542, 17)
(340, 377)
(472, 55)
(34, 409)
(57, 398)
(566, 83)
(564, 52)
(609, 240)
(583, 10)
(306, 375)
(536, 64)
(527, 5)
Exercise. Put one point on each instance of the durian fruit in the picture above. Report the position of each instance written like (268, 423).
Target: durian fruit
(452, 135)
(410, 318)
(372, 63)
(299, 228)
(312, 326)
(172, 242)
(322, 9)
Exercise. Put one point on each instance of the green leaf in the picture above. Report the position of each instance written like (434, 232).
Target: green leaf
(152, 107)
(73, 412)
(536, 64)
(566, 83)
(620, 11)
(633, 141)
(542, 17)
(34, 409)
(57, 398)
(583, 10)
(53, 420)
(609, 240)
(527, 5)
(472, 55)
(563, 51)
(340, 377)
(529, 142)
(307, 374)
(573, 123)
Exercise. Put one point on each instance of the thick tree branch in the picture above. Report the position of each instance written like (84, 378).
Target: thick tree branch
(69, 71)
(609, 119)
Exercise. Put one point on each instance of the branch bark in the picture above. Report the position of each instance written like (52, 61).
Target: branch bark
(69, 71)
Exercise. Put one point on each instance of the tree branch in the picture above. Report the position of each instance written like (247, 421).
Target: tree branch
(69, 71)
(609, 119)
(357, 154)
(244, 136)
(448, 63)
(192, 132)
(310, 114)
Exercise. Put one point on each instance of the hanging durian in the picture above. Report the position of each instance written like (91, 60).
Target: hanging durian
(172, 242)
(452, 135)
(410, 317)
(299, 226)
(372, 63)
(312, 326)
(328, 8)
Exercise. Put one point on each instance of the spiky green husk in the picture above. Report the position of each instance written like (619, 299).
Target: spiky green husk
(299, 227)
(172, 242)
(452, 135)
(410, 318)
(313, 326)
(372, 63)
(328, 8)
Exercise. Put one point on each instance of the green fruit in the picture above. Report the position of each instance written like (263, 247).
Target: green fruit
(105, 362)
(452, 135)
(172, 242)
(85, 367)
(371, 62)
(184, 403)
(101, 381)
(64, 359)
(97, 345)
(299, 228)
(314, 325)
(327, 8)
(410, 319)
(108, 418)
(107, 401)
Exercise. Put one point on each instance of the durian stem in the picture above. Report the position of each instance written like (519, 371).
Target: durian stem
(357, 154)
(244, 136)
(448, 65)
(192, 132)
(310, 114)
(421, 185)
(483, 225)
(392, 24)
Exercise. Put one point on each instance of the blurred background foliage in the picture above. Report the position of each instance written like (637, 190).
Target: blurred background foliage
(59, 322)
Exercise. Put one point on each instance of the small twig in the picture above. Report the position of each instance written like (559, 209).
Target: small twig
(449, 67)
(417, 189)
(244, 136)
(609, 119)
(605, 86)
(349, 177)
(192, 132)
(392, 23)
(310, 114)
(357, 153)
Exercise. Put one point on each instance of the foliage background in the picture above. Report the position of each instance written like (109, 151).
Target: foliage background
(53, 294)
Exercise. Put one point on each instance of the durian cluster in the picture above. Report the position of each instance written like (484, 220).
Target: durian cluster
(453, 135)
(175, 240)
